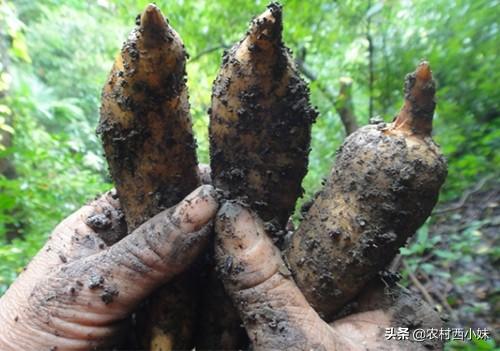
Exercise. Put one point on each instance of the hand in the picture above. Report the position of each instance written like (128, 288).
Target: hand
(78, 290)
(277, 316)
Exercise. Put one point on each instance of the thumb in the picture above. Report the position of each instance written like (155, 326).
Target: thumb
(97, 291)
(275, 313)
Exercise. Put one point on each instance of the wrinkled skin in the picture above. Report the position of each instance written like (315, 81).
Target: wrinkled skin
(76, 293)
(276, 314)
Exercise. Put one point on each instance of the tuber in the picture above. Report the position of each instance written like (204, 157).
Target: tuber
(148, 141)
(384, 185)
(260, 130)
(145, 122)
(260, 122)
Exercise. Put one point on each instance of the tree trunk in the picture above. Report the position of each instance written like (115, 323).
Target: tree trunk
(7, 168)
(342, 102)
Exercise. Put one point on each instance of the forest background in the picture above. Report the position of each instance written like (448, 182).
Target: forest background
(55, 56)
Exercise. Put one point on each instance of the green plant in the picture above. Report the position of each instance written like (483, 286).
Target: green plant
(475, 344)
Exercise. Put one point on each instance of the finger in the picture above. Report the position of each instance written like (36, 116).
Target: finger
(89, 230)
(382, 307)
(74, 238)
(103, 288)
(164, 245)
(275, 313)
(92, 229)
(107, 219)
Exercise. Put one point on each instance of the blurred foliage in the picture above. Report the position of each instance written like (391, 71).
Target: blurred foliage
(464, 244)
(475, 344)
(58, 53)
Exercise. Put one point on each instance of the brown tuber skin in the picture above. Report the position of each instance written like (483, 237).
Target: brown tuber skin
(383, 186)
(260, 130)
(148, 141)
(145, 122)
(260, 122)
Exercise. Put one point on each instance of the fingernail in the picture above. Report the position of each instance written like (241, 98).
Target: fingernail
(238, 227)
(197, 209)
(245, 255)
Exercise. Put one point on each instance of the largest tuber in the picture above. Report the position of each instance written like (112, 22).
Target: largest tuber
(384, 185)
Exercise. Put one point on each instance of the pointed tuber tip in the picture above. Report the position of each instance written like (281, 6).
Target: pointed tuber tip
(420, 89)
(418, 110)
(276, 10)
(423, 72)
(152, 19)
(268, 26)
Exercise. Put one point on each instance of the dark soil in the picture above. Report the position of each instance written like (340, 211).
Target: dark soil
(465, 281)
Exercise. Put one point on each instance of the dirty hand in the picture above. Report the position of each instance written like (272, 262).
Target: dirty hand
(276, 314)
(78, 290)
